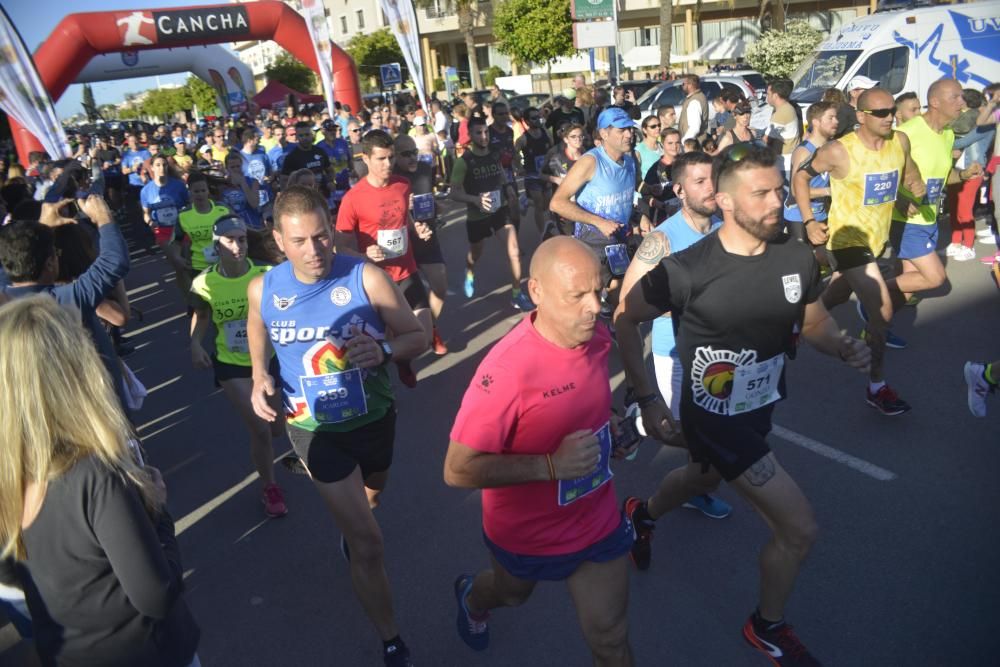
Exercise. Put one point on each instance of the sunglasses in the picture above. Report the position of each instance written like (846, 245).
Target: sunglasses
(534, 118)
(408, 153)
(653, 127)
(354, 130)
(880, 113)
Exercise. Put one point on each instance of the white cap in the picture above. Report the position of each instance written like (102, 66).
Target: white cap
(419, 120)
(862, 82)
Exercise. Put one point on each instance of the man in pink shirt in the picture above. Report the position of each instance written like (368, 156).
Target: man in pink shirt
(536, 437)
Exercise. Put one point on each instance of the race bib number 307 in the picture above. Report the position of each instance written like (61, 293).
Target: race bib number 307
(881, 188)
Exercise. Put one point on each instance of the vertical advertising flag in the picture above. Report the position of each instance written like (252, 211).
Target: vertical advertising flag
(22, 95)
(315, 16)
(403, 23)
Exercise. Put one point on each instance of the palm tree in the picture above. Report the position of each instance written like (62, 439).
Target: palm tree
(666, 32)
(468, 12)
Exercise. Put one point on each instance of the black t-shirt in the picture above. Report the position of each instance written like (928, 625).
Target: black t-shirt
(728, 311)
(421, 182)
(503, 143)
(314, 159)
(659, 174)
(558, 118)
(532, 150)
(358, 165)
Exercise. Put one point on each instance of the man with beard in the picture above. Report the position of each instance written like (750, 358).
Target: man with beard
(737, 296)
(693, 186)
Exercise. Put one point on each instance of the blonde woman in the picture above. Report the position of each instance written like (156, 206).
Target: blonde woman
(83, 527)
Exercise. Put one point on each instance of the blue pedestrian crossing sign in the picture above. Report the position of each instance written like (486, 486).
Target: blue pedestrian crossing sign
(391, 75)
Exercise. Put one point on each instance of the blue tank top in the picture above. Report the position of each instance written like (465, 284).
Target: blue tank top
(309, 326)
(792, 211)
(609, 194)
(680, 235)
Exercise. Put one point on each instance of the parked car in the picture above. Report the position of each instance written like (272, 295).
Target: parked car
(754, 78)
(670, 92)
(637, 88)
(530, 100)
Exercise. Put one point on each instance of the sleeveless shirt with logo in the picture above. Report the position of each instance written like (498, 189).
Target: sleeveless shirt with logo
(309, 326)
(931, 151)
(608, 194)
(227, 297)
(861, 204)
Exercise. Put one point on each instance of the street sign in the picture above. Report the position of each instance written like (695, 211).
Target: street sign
(585, 10)
(391, 75)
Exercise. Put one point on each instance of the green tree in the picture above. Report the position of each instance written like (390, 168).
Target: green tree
(378, 48)
(468, 13)
(534, 31)
(165, 102)
(89, 106)
(201, 94)
(290, 71)
(777, 53)
(490, 75)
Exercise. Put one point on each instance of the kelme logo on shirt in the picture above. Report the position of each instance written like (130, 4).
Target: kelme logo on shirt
(712, 376)
(793, 287)
(284, 303)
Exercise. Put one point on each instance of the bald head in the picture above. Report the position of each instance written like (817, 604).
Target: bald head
(561, 253)
(941, 89)
(875, 98)
(565, 284)
(405, 142)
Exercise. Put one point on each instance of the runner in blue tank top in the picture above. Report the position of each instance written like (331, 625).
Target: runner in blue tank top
(692, 183)
(822, 126)
(326, 317)
(598, 194)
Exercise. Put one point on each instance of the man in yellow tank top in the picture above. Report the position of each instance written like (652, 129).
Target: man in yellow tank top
(867, 169)
(915, 236)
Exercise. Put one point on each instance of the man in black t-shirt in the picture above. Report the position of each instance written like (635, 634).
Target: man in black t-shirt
(423, 236)
(531, 149)
(566, 113)
(738, 298)
(307, 155)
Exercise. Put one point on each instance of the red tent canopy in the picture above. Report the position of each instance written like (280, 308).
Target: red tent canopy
(276, 92)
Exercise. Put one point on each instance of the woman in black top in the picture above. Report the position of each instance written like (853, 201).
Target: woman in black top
(83, 528)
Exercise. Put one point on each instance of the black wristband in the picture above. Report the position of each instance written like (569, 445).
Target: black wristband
(806, 222)
(649, 399)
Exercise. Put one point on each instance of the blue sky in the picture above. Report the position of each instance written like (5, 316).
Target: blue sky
(35, 20)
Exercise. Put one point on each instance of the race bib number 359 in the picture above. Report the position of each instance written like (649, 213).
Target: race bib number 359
(881, 188)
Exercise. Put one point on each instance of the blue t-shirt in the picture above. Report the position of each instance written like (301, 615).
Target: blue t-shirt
(133, 160)
(236, 200)
(276, 156)
(257, 166)
(339, 153)
(164, 201)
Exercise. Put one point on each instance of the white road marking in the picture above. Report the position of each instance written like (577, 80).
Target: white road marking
(817, 447)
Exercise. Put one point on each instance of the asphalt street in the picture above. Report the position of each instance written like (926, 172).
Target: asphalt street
(903, 572)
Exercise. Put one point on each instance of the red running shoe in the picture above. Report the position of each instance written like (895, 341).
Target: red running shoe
(641, 551)
(439, 347)
(780, 644)
(406, 374)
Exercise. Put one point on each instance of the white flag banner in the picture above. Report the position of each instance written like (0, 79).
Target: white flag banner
(403, 23)
(23, 96)
(313, 12)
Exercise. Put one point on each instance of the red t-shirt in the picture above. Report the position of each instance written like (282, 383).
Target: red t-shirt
(526, 396)
(378, 216)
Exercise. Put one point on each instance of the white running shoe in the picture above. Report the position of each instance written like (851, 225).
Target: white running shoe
(988, 240)
(978, 387)
(984, 232)
(964, 254)
(952, 249)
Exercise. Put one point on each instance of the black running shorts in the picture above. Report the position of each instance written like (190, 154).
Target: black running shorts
(331, 455)
(729, 444)
(414, 291)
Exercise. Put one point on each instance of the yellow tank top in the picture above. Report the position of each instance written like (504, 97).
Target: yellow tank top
(931, 151)
(861, 204)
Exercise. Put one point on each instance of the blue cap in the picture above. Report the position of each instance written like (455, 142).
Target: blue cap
(614, 117)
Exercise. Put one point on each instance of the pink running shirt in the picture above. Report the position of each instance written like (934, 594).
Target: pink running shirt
(526, 396)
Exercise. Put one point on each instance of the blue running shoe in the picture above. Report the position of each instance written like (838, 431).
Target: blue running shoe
(522, 302)
(470, 284)
(474, 632)
(710, 506)
(891, 340)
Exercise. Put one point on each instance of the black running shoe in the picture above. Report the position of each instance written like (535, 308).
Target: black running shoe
(641, 550)
(780, 644)
(397, 655)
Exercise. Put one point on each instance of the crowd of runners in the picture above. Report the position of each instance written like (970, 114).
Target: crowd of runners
(306, 252)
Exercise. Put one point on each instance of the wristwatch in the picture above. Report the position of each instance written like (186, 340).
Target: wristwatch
(386, 352)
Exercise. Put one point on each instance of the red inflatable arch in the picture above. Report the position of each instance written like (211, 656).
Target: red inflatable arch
(80, 37)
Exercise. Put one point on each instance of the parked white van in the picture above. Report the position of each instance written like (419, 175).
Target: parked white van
(907, 50)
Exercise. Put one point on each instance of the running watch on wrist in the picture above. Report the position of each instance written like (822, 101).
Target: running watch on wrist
(386, 352)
